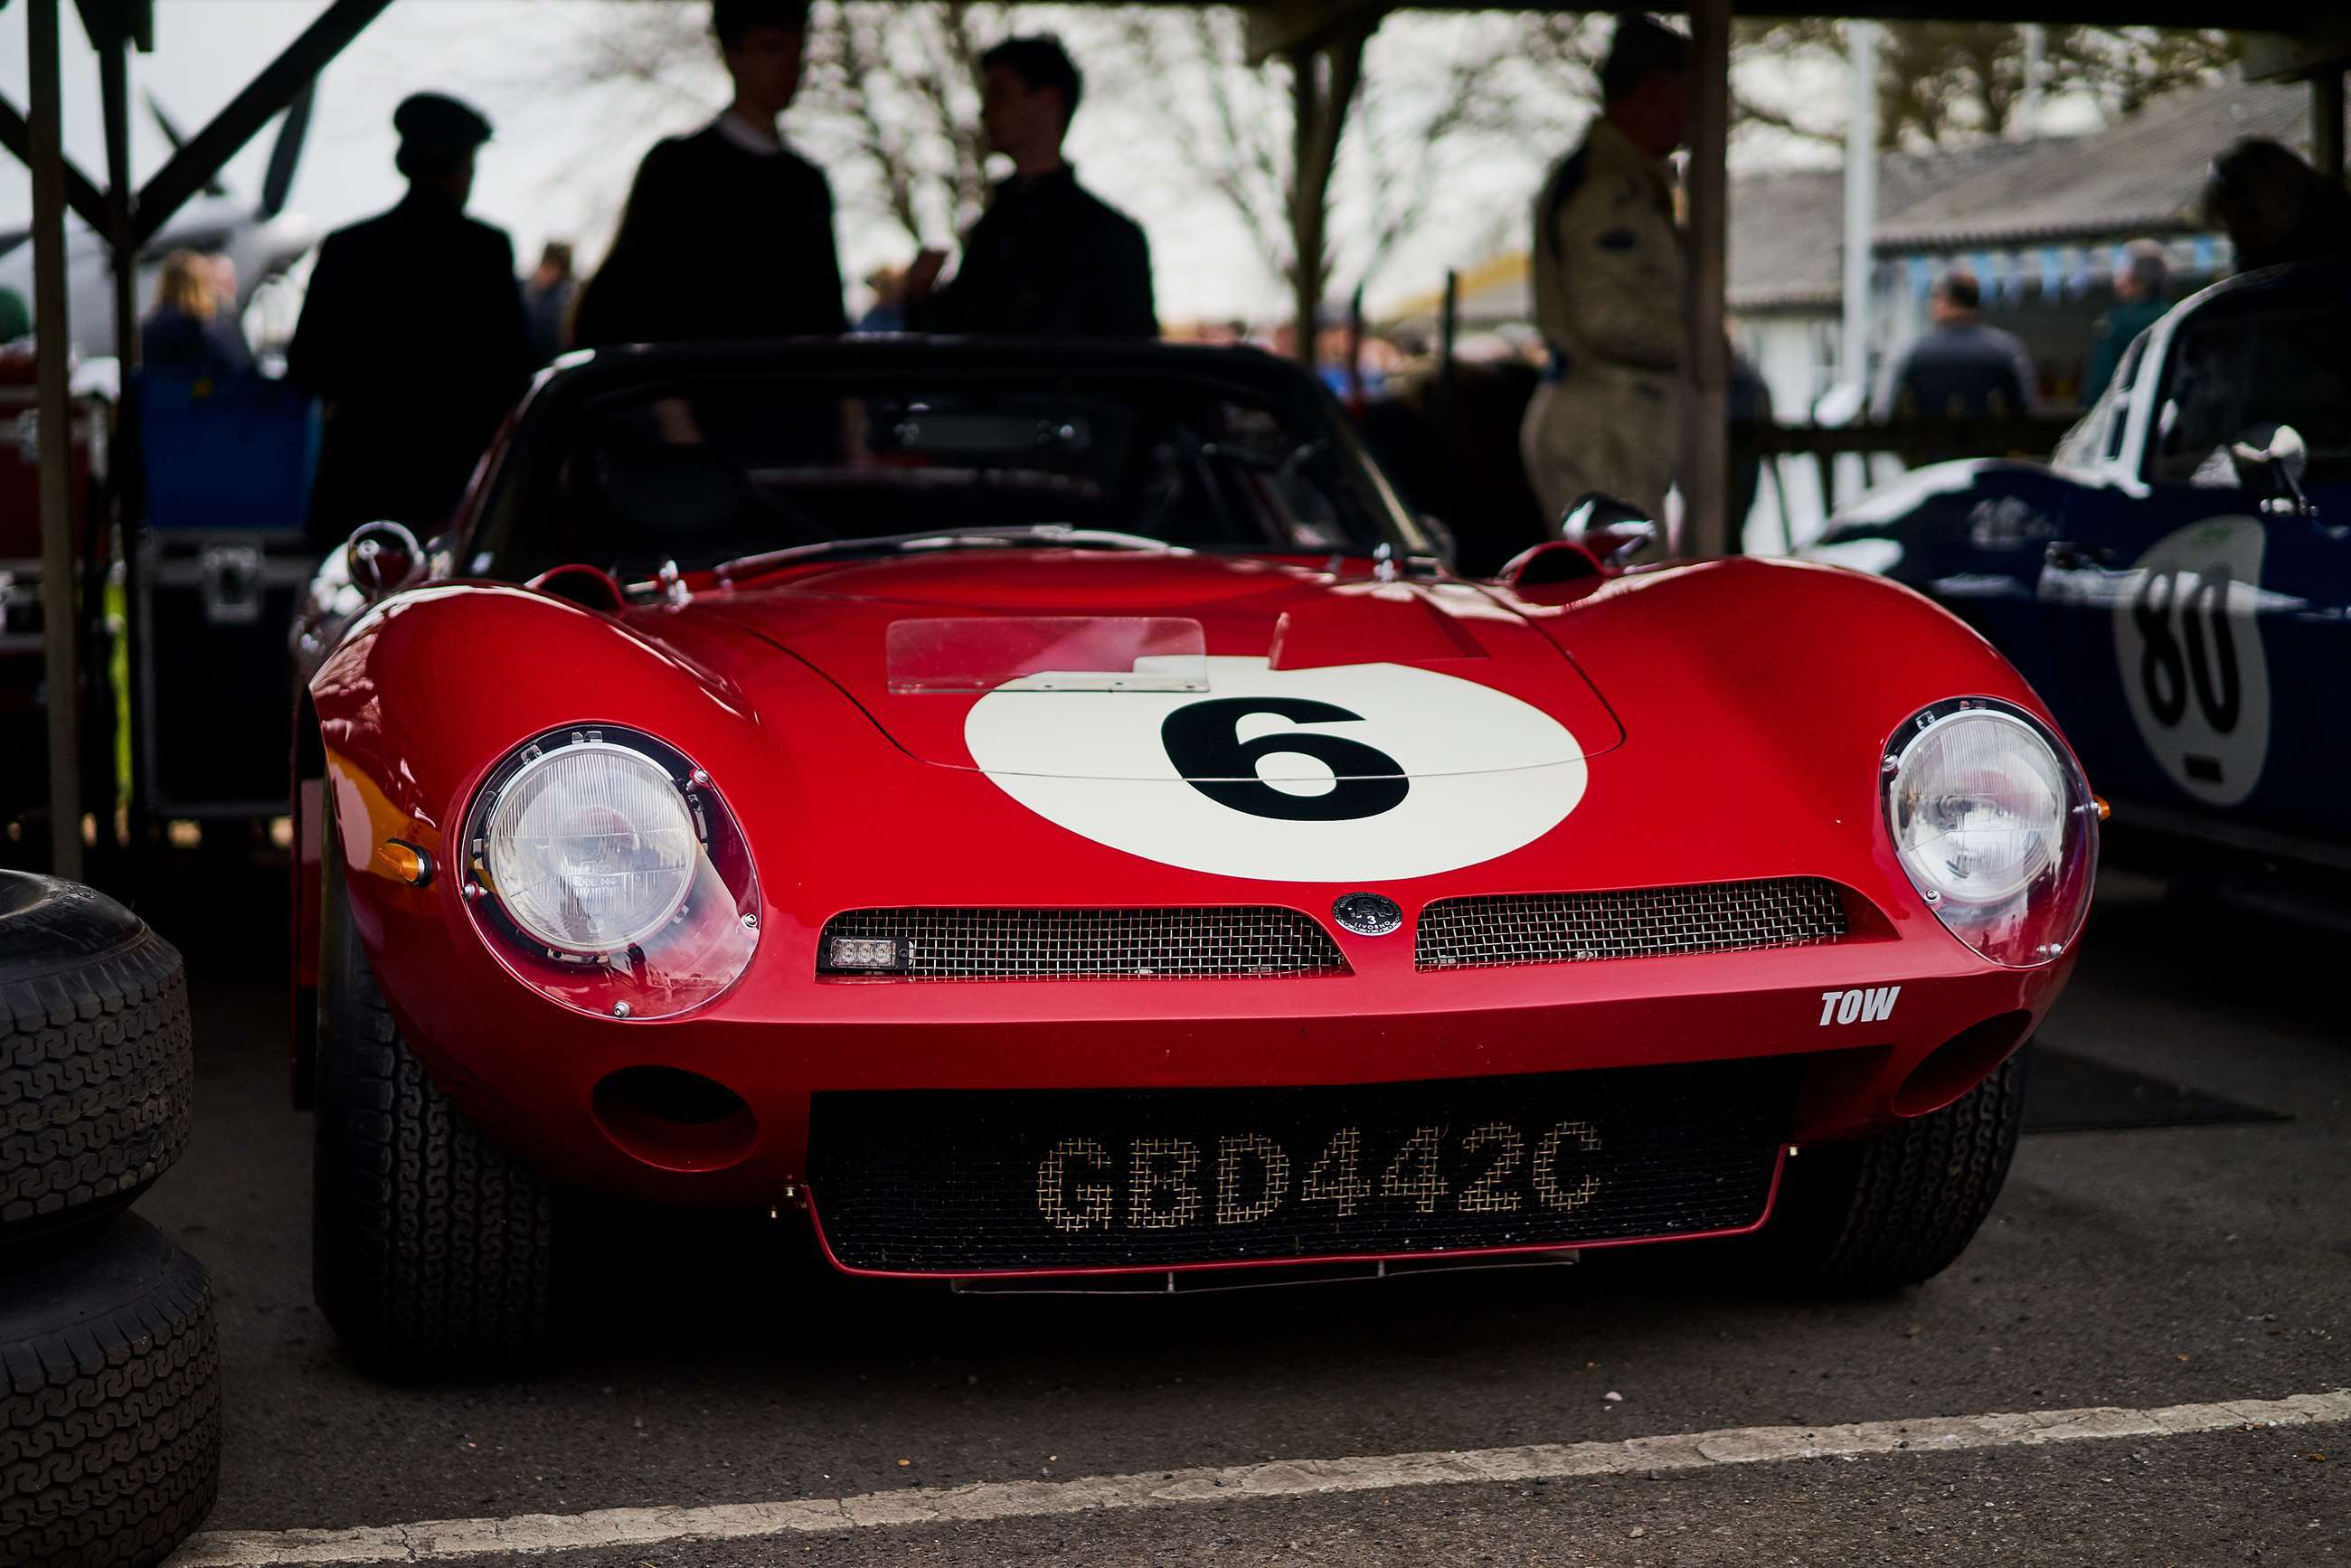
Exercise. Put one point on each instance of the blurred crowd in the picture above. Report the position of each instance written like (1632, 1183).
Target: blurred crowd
(417, 336)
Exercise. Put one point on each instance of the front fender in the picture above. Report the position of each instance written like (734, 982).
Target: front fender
(433, 688)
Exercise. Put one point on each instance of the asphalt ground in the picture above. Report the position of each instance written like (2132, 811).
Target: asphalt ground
(715, 1364)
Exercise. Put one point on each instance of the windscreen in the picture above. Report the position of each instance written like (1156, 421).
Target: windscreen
(707, 473)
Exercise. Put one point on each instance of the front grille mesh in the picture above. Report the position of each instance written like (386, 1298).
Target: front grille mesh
(1082, 944)
(1574, 927)
(977, 1181)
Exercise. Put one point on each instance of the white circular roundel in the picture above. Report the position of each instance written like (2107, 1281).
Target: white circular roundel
(1348, 773)
(2189, 644)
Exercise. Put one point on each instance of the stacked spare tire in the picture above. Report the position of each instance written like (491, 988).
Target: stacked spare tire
(110, 1376)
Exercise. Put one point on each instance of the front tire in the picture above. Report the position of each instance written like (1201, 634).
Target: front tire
(431, 1247)
(1898, 1209)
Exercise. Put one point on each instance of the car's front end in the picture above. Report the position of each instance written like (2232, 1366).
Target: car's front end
(1035, 905)
(738, 947)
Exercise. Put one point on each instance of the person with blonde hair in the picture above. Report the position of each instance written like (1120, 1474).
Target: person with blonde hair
(186, 332)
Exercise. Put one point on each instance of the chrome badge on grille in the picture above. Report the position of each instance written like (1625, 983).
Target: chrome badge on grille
(1368, 913)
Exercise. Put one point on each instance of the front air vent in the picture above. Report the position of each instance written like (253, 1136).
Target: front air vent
(1638, 923)
(1076, 944)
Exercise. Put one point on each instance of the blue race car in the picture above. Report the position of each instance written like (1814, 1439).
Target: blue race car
(2176, 580)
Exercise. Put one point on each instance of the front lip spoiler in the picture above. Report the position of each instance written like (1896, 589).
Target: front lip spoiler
(1273, 1276)
(1386, 1262)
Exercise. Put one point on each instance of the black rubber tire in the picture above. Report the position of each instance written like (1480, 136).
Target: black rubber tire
(96, 1060)
(432, 1248)
(109, 1420)
(1896, 1209)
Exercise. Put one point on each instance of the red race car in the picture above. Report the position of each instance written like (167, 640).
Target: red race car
(1049, 813)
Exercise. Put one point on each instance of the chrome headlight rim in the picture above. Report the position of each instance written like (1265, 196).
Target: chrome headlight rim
(1931, 724)
(2034, 920)
(481, 890)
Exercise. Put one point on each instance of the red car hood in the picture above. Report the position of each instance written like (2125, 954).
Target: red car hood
(1023, 661)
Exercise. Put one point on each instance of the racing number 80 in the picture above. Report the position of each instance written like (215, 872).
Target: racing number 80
(2169, 665)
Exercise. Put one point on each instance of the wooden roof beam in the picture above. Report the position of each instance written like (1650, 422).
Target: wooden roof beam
(266, 96)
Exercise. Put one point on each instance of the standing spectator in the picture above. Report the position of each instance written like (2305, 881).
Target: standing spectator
(1608, 287)
(2139, 304)
(1049, 258)
(1963, 369)
(728, 233)
(2276, 207)
(230, 314)
(186, 332)
(546, 299)
(888, 311)
(412, 335)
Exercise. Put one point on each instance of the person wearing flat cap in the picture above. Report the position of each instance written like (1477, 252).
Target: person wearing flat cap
(728, 232)
(413, 336)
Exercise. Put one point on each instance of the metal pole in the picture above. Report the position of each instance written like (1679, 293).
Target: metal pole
(2326, 122)
(126, 476)
(1704, 472)
(60, 621)
(1355, 349)
(1860, 208)
(1448, 333)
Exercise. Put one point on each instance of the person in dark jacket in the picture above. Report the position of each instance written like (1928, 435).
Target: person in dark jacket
(412, 337)
(186, 333)
(2139, 304)
(1963, 369)
(1047, 259)
(546, 296)
(2276, 207)
(728, 232)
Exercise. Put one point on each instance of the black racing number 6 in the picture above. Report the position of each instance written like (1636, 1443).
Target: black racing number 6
(1203, 739)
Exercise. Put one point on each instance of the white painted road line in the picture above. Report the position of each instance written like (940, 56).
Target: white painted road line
(532, 1533)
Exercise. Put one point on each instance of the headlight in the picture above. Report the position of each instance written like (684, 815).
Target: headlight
(605, 870)
(590, 848)
(1995, 827)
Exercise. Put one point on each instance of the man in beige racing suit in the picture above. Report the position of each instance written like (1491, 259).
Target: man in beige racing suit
(1608, 289)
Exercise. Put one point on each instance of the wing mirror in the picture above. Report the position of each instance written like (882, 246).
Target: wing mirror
(1616, 533)
(382, 557)
(2271, 463)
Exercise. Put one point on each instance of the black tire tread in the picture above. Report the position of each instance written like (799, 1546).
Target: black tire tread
(110, 1429)
(1898, 1209)
(432, 1247)
(97, 1084)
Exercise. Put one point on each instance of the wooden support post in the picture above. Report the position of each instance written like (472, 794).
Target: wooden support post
(2326, 121)
(60, 621)
(1324, 75)
(1703, 474)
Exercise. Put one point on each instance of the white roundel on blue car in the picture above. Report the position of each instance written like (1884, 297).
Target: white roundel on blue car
(2189, 641)
(1344, 773)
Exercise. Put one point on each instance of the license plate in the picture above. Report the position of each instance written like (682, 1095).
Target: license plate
(982, 1181)
(1238, 1180)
